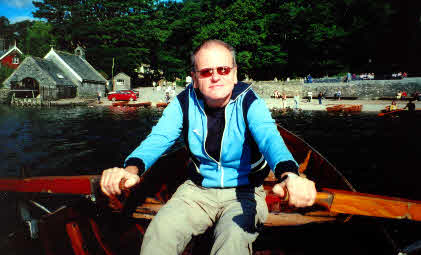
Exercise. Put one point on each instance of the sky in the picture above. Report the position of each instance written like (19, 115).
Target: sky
(17, 10)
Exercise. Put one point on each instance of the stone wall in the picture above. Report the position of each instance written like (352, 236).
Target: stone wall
(90, 90)
(370, 89)
(5, 96)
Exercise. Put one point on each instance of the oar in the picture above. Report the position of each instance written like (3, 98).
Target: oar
(348, 202)
(76, 185)
(81, 185)
(335, 201)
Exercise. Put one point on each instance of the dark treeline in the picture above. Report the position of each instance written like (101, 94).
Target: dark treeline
(273, 38)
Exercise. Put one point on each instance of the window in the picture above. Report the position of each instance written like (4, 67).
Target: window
(15, 60)
(120, 82)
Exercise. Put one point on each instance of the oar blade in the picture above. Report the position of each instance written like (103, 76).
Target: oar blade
(373, 205)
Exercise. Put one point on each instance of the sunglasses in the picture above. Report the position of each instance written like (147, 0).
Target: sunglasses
(208, 72)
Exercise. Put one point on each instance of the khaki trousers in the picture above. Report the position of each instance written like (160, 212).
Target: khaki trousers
(237, 212)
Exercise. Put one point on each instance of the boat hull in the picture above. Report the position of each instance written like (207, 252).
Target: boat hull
(85, 228)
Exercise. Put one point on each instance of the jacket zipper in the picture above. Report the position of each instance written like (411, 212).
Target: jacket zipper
(220, 168)
(220, 151)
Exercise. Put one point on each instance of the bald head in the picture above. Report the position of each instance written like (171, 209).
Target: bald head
(208, 44)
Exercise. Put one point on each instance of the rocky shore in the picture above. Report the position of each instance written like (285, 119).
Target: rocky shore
(149, 94)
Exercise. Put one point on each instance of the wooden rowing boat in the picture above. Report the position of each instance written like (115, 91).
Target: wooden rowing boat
(162, 105)
(88, 227)
(142, 104)
(345, 108)
(397, 112)
(383, 113)
(122, 103)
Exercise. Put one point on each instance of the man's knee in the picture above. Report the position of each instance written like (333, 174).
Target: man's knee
(236, 232)
(234, 240)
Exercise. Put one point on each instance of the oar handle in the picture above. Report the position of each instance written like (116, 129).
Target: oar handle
(117, 202)
(323, 199)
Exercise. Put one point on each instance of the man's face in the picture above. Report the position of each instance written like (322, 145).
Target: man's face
(217, 88)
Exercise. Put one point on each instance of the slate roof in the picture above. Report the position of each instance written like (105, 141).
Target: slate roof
(54, 71)
(81, 67)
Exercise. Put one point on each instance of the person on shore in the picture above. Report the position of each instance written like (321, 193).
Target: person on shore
(417, 96)
(309, 79)
(284, 100)
(338, 95)
(404, 95)
(320, 97)
(348, 77)
(399, 95)
(296, 100)
(167, 97)
(309, 96)
(411, 106)
(393, 106)
(223, 190)
(276, 94)
(99, 96)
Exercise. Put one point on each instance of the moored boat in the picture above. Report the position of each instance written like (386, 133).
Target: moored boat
(345, 108)
(162, 104)
(89, 228)
(397, 112)
(142, 104)
(121, 103)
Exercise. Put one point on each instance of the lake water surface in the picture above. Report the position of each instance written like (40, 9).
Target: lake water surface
(377, 155)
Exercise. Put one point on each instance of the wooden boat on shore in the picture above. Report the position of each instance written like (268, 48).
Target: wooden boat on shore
(397, 112)
(345, 108)
(121, 103)
(142, 104)
(385, 112)
(162, 104)
(88, 226)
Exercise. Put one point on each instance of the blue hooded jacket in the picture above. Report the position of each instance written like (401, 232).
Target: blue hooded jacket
(250, 141)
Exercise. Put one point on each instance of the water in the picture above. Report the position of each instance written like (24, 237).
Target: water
(377, 155)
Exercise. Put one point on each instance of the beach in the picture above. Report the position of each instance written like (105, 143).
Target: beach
(150, 94)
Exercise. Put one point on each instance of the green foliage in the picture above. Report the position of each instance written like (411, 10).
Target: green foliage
(272, 38)
(5, 72)
(39, 39)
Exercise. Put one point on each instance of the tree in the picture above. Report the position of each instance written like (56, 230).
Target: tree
(39, 39)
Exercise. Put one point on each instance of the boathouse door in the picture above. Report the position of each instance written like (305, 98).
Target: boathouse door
(27, 88)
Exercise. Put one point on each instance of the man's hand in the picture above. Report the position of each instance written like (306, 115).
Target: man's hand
(301, 191)
(111, 178)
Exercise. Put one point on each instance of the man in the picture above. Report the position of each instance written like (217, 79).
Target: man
(227, 128)
(320, 97)
(411, 106)
(99, 97)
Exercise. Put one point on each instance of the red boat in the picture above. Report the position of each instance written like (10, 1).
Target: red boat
(90, 226)
(345, 108)
(142, 104)
(161, 105)
(122, 103)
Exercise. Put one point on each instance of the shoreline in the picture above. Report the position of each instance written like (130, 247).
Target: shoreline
(148, 94)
